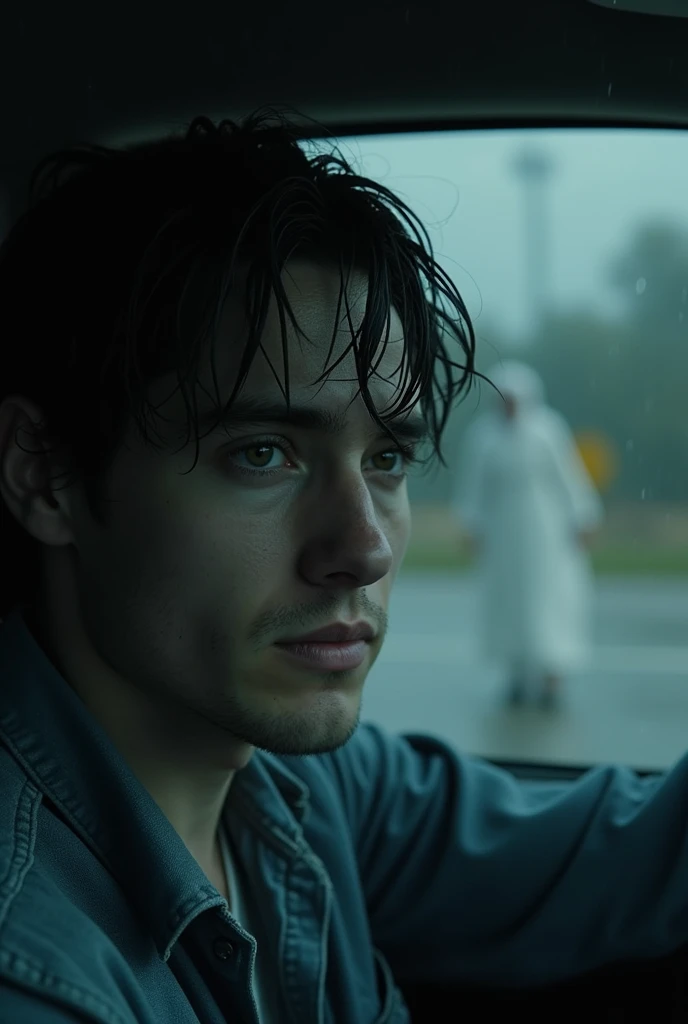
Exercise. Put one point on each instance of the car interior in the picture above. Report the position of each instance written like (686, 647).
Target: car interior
(112, 73)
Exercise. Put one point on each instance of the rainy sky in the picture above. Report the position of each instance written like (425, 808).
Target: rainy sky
(464, 186)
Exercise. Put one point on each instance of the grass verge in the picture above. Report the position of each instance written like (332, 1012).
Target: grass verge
(626, 561)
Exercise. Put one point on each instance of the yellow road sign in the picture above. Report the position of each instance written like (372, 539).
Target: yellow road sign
(600, 457)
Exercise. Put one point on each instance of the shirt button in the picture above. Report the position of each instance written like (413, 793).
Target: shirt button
(223, 949)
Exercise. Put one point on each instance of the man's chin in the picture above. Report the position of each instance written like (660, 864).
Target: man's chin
(319, 730)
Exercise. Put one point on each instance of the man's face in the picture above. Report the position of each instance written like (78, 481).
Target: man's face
(277, 531)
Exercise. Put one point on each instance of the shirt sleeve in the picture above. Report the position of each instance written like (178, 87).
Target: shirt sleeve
(472, 876)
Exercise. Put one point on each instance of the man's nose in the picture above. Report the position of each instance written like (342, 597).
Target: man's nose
(347, 541)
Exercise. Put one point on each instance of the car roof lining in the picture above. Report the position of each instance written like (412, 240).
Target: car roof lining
(113, 72)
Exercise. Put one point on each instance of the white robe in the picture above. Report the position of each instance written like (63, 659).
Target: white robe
(525, 496)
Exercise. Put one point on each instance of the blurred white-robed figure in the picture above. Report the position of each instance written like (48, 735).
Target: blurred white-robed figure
(528, 506)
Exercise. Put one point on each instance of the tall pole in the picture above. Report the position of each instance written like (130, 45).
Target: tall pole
(534, 167)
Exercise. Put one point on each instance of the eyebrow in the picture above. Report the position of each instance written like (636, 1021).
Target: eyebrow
(254, 411)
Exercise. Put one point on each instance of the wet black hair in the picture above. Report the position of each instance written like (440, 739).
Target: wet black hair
(118, 272)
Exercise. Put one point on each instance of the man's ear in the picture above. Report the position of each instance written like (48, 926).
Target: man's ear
(26, 466)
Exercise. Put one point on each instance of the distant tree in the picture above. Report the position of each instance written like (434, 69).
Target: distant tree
(651, 276)
(628, 377)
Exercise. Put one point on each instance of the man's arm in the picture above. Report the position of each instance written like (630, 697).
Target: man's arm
(470, 875)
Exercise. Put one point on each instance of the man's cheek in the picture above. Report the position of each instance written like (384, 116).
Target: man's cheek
(260, 545)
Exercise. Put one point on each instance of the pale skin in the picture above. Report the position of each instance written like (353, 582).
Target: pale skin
(164, 621)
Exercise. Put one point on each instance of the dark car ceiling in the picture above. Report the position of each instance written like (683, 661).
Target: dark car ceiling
(102, 71)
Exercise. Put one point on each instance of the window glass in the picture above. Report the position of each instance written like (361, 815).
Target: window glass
(570, 248)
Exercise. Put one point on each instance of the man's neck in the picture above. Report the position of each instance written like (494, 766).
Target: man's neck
(217, 874)
(165, 747)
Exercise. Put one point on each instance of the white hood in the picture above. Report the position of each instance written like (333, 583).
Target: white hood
(520, 382)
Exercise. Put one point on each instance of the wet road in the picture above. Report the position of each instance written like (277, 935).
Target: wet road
(630, 705)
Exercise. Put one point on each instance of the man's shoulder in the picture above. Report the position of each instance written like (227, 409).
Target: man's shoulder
(19, 802)
(50, 949)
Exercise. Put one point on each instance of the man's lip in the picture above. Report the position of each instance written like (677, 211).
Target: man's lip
(338, 632)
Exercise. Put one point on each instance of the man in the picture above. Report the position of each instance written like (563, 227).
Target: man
(528, 508)
(219, 355)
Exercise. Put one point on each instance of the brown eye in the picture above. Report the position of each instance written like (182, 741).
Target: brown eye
(260, 458)
(394, 462)
(259, 455)
(387, 460)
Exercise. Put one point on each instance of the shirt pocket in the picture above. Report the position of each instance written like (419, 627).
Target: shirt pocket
(393, 1008)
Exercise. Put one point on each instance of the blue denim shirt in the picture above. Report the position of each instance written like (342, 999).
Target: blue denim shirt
(394, 857)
